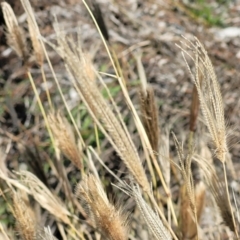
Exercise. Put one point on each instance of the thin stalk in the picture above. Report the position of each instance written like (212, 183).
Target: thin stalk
(80, 234)
(46, 88)
(3, 232)
(147, 147)
(228, 198)
(40, 105)
(97, 138)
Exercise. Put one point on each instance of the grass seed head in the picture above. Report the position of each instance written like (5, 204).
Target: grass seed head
(218, 190)
(15, 36)
(26, 225)
(108, 219)
(44, 196)
(188, 224)
(64, 137)
(194, 110)
(209, 95)
(37, 48)
(157, 228)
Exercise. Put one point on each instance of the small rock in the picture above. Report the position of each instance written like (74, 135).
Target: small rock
(230, 32)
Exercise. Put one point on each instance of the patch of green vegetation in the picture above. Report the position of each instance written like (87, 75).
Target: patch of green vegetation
(6, 217)
(202, 9)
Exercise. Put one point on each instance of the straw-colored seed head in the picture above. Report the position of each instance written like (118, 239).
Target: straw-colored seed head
(26, 225)
(37, 48)
(15, 35)
(209, 94)
(65, 139)
(188, 224)
(218, 190)
(110, 221)
(44, 196)
(155, 224)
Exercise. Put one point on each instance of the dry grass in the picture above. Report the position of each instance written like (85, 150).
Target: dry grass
(107, 218)
(150, 116)
(88, 214)
(26, 225)
(65, 139)
(15, 35)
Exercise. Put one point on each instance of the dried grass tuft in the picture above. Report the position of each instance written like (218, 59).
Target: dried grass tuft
(213, 111)
(45, 234)
(218, 190)
(37, 48)
(83, 76)
(44, 196)
(209, 95)
(65, 139)
(188, 224)
(109, 221)
(192, 196)
(15, 36)
(156, 226)
(26, 225)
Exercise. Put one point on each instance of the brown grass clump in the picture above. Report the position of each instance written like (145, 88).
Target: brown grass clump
(192, 196)
(108, 220)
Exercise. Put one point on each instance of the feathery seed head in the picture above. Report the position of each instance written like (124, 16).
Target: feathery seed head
(24, 216)
(159, 231)
(109, 220)
(65, 139)
(15, 36)
(44, 196)
(37, 48)
(209, 95)
(218, 190)
(188, 224)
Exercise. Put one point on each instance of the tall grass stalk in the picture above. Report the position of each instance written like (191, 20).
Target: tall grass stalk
(100, 215)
